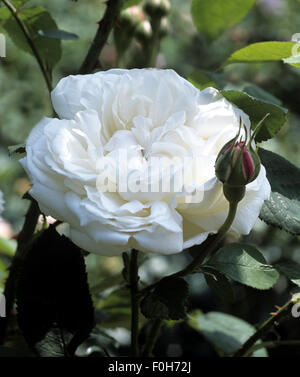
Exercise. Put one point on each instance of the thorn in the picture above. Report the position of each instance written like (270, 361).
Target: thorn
(277, 307)
(273, 313)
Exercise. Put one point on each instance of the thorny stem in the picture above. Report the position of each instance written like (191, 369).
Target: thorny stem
(105, 26)
(30, 42)
(247, 348)
(133, 285)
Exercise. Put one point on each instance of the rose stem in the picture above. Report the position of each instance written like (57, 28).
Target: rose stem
(154, 332)
(133, 285)
(105, 26)
(273, 344)
(190, 268)
(30, 42)
(154, 45)
(187, 270)
(246, 348)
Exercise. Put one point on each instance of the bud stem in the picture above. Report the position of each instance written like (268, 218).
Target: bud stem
(212, 247)
(233, 193)
(155, 23)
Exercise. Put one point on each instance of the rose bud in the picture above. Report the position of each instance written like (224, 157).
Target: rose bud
(128, 21)
(237, 164)
(131, 17)
(143, 32)
(157, 8)
(164, 28)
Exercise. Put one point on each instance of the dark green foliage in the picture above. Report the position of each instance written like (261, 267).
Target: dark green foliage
(167, 301)
(283, 208)
(53, 300)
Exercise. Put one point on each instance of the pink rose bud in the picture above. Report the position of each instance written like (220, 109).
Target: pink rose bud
(237, 163)
(129, 18)
(137, 13)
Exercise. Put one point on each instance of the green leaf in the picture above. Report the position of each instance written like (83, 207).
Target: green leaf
(290, 269)
(131, 3)
(284, 177)
(99, 344)
(261, 94)
(262, 52)
(17, 151)
(224, 331)
(153, 307)
(109, 282)
(3, 275)
(213, 17)
(35, 19)
(283, 208)
(53, 301)
(20, 3)
(245, 264)
(282, 212)
(8, 247)
(4, 15)
(257, 109)
(219, 284)
(58, 34)
(115, 309)
(202, 80)
(167, 301)
(53, 343)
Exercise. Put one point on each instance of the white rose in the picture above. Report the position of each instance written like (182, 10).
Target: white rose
(151, 115)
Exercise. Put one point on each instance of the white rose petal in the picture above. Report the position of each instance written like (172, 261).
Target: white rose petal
(122, 134)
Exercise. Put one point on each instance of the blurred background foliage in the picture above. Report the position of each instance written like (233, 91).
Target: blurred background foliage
(24, 101)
